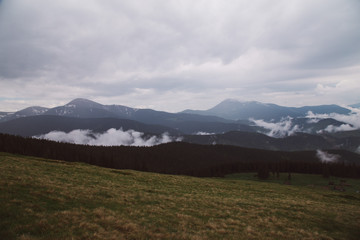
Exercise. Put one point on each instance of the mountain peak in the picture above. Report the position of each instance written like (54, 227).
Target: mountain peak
(31, 111)
(230, 100)
(83, 102)
(235, 101)
(234, 105)
(80, 100)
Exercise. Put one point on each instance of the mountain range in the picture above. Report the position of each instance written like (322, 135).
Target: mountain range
(86, 109)
(231, 122)
(236, 110)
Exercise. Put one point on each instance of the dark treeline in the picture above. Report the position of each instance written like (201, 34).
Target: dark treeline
(185, 158)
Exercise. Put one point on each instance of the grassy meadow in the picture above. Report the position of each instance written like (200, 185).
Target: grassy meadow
(48, 199)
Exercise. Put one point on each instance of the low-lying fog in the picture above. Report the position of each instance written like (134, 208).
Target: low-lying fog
(112, 137)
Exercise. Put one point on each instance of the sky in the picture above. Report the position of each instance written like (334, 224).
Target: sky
(176, 55)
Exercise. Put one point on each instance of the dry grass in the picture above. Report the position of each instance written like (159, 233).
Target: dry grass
(45, 199)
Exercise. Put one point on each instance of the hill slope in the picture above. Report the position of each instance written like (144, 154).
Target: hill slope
(187, 159)
(47, 199)
(296, 142)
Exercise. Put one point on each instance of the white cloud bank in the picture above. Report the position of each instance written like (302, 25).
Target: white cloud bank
(283, 128)
(204, 133)
(111, 137)
(351, 121)
(326, 157)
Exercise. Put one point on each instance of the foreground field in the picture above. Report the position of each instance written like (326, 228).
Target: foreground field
(46, 199)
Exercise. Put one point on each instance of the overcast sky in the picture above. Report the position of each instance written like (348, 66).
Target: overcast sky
(173, 55)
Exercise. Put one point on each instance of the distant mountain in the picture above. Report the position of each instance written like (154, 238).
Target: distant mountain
(322, 109)
(30, 111)
(4, 114)
(227, 111)
(84, 108)
(229, 115)
(187, 123)
(37, 125)
(79, 108)
(236, 110)
(357, 105)
(195, 126)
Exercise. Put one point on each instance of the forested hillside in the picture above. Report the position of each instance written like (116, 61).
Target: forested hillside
(188, 159)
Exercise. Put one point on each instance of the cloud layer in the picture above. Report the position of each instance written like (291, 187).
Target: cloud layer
(351, 121)
(326, 157)
(111, 137)
(286, 126)
(173, 55)
(283, 128)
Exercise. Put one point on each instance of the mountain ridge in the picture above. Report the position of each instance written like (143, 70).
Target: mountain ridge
(273, 120)
(356, 105)
(240, 110)
(226, 111)
(193, 132)
(42, 124)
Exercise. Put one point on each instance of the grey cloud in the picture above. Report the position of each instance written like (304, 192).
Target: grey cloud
(85, 35)
(114, 47)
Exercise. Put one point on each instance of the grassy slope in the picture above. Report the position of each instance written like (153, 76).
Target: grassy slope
(46, 199)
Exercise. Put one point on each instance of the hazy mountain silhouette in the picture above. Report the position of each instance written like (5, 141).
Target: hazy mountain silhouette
(36, 125)
(237, 110)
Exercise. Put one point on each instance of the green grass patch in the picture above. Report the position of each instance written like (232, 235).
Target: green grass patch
(305, 180)
(48, 199)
